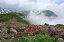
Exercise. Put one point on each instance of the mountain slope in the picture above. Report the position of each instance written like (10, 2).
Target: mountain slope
(9, 16)
(48, 13)
(3, 11)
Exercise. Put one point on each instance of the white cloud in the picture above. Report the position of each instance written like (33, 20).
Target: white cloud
(57, 6)
(12, 2)
(26, 3)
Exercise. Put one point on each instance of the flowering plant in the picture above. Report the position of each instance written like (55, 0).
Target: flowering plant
(31, 31)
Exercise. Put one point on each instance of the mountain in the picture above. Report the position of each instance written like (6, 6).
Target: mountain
(3, 11)
(24, 12)
(8, 14)
(48, 13)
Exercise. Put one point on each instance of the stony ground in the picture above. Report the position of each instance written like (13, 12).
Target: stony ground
(7, 30)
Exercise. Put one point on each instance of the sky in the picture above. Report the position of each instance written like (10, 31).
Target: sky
(27, 3)
(57, 6)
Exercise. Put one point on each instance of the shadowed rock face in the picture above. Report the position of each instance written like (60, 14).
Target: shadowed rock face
(48, 13)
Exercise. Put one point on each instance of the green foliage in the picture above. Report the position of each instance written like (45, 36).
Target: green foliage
(61, 27)
(37, 38)
(8, 16)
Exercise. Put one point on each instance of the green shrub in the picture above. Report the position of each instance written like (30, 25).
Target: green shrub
(37, 38)
(8, 16)
(61, 27)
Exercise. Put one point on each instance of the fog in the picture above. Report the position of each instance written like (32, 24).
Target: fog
(57, 6)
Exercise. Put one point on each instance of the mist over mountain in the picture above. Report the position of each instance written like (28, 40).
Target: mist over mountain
(3, 11)
(37, 11)
(49, 13)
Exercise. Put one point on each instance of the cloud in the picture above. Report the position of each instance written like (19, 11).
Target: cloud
(27, 3)
(57, 6)
(11, 2)
(41, 19)
(56, 1)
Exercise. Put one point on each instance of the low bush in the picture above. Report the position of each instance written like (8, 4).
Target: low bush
(37, 38)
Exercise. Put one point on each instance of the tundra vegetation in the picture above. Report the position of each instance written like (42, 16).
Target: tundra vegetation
(13, 28)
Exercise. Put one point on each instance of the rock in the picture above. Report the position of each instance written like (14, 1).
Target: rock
(1, 35)
(55, 32)
(62, 35)
(9, 36)
(60, 40)
(59, 25)
(13, 30)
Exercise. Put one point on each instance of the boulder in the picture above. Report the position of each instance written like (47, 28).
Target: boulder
(55, 32)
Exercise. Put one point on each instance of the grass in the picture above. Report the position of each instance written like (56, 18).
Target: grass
(61, 27)
(8, 16)
(37, 38)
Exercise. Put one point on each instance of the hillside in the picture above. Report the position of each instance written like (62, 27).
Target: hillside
(13, 28)
(12, 17)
